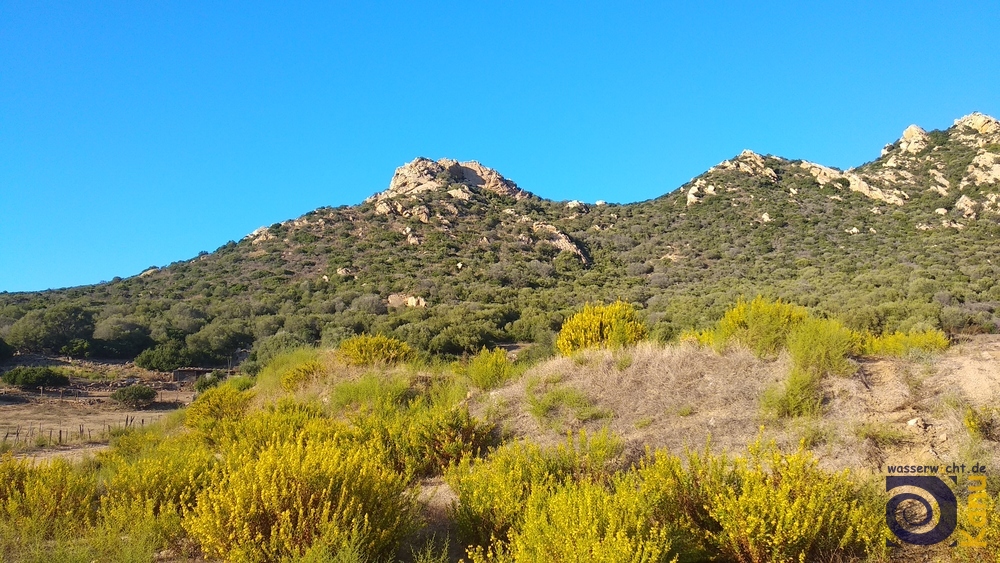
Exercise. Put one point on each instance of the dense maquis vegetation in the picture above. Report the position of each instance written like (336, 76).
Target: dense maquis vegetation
(488, 273)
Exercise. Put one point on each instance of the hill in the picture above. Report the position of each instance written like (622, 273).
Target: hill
(453, 256)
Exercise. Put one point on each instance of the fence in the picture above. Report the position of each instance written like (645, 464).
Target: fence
(40, 436)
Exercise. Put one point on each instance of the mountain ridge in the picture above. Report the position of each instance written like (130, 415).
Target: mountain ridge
(425, 174)
(453, 256)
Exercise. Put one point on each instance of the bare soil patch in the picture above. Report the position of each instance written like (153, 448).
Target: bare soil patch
(73, 420)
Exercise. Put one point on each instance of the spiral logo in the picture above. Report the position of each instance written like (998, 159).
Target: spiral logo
(911, 515)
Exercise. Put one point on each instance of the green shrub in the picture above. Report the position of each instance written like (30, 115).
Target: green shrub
(371, 390)
(76, 348)
(374, 349)
(798, 395)
(136, 396)
(880, 434)
(611, 325)
(240, 382)
(551, 403)
(34, 377)
(166, 356)
(265, 349)
(48, 330)
(291, 496)
(761, 325)
(623, 361)
(490, 368)
(206, 381)
(217, 341)
(275, 375)
(119, 336)
(536, 353)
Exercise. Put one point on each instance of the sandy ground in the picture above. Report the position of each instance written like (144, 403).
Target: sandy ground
(973, 367)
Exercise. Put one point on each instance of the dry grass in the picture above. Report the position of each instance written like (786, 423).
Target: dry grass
(678, 396)
(665, 396)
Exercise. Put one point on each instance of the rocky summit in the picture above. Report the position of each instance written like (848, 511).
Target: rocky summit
(457, 178)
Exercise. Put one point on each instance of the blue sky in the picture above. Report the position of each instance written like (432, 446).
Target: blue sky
(140, 133)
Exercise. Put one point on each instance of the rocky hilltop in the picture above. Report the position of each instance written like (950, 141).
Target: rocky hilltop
(453, 256)
(459, 179)
(948, 162)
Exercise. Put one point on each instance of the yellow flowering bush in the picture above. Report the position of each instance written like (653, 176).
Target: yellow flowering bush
(130, 531)
(279, 502)
(900, 344)
(767, 506)
(284, 420)
(39, 499)
(168, 477)
(301, 374)
(786, 509)
(979, 538)
(216, 406)
(492, 493)
(761, 325)
(597, 326)
(983, 422)
(822, 346)
(584, 521)
(374, 349)
(423, 439)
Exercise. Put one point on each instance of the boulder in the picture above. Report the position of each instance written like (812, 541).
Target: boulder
(914, 140)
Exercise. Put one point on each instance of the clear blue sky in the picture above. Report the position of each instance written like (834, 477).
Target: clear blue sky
(139, 133)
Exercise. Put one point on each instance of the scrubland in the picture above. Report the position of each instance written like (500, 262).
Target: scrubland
(763, 438)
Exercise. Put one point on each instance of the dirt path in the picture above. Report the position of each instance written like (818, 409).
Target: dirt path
(70, 453)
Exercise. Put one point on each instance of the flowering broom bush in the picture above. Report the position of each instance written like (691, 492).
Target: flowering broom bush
(599, 326)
